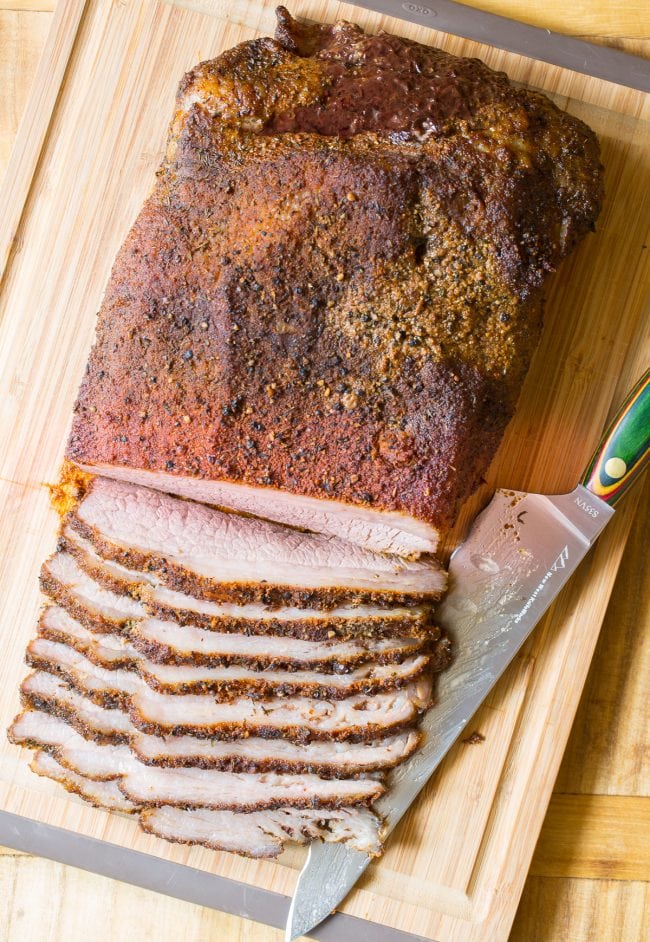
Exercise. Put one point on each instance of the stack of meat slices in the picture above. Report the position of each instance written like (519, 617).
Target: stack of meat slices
(236, 683)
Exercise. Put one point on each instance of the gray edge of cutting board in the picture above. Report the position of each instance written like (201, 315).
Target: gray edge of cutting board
(207, 889)
(180, 881)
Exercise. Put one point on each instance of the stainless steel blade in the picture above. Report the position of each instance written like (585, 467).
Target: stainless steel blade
(569, 52)
(519, 554)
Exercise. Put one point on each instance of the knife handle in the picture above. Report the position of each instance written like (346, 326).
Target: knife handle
(624, 449)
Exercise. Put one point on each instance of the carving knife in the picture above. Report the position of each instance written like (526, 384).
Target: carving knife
(482, 26)
(520, 552)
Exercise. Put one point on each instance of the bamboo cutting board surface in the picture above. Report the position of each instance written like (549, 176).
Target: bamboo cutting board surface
(82, 166)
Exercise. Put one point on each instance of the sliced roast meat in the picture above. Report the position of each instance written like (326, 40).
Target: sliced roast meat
(167, 642)
(63, 580)
(243, 791)
(253, 618)
(233, 681)
(236, 791)
(105, 650)
(49, 732)
(307, 624)
(259, 833)
(100, 794)
(253, 754)
(299, 719)
(109, 688)
(39, 729)
(48, 692)
(219, 556)
(109, 574)
(314, 624)
(264, 833)
(381, 531)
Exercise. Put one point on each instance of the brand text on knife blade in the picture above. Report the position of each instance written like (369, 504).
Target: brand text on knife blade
(560, 563)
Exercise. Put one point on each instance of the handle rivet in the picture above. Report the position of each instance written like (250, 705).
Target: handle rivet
(615, 468)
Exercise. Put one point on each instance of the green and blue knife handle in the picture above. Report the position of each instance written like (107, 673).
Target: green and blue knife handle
(624, 449)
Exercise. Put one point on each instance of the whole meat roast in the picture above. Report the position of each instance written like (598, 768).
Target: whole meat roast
(309, 348)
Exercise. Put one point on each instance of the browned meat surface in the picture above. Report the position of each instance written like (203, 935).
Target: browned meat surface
(207, 788)
(101, 762)
(242, 791)
(226, 683)
(325, 310)
(102, 773)
(107, 687)
(326, 758)
(66, 583)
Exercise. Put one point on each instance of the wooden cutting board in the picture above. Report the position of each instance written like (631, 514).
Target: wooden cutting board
(83, 163)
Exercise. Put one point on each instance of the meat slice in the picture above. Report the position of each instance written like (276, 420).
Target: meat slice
(299, 719)
(46, 731)
(111, 687)
(102, 773)
(375, 530)
(243, 791)
(167, 642)
(49, 693)
(235, 791)
(308, 624)
(327, 759)
(105, 650)
(63, 580)
(208, 788)
(219, 557)
(100, 610)
(101, 794)
(106, 687)
(39, 729)
(228, 682)
(264, 833)
(254, 618)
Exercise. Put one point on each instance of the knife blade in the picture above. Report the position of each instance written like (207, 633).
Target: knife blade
(483, 26)
(520, 552)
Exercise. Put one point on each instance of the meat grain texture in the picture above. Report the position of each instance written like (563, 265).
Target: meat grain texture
(322, 317)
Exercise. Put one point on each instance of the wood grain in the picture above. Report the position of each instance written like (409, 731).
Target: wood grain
(601, 837)
(609, 749)
(22, 37)
(623, 19)
(28, 6)
(231, 928)
(27, 149)
(582, 911)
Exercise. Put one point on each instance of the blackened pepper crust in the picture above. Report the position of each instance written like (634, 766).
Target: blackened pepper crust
(335, 288)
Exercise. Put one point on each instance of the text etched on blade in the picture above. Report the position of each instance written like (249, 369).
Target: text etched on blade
(416, 8)
(588, 509)
(560, 563)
